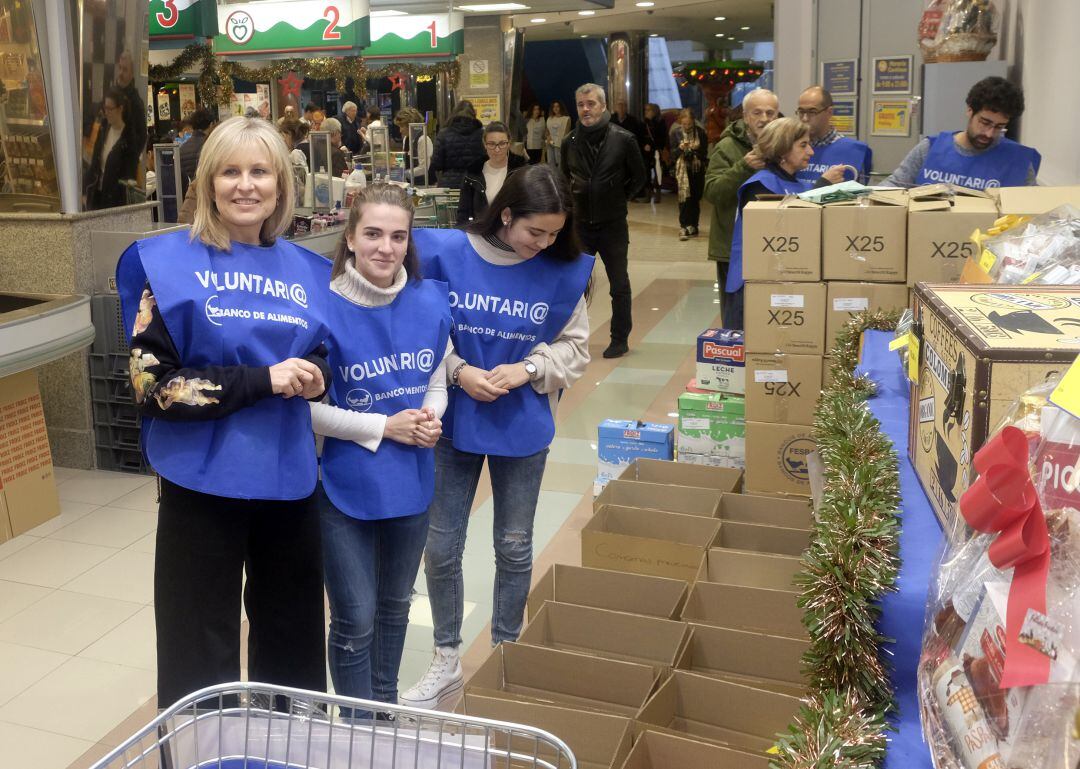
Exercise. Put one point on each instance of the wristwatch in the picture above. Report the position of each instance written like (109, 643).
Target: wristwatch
(530, 369)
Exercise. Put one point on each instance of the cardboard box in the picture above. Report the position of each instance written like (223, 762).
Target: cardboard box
(28, 495)
(981, 348)
(763, 539)
(721, 361)
(654, 471)
(754, 609)
(1032, 201)
(688, 500)
(712, 424)
(745, 568)
(706, 460)
(610, 634)
(620, 442)
(845, 299)
(782, 388)
(717, 711)
(647, 541)
(598, 740)
(865, 239)
(659, 750)
(763, 661)
(603, 589)
(785, 317)
(781, 240)
(776, 458)
(521, 673)
(750, 508)
(939, 235)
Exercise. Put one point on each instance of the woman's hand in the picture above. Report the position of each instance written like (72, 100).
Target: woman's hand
(296, 376)
(474, 381)
(508, 375)
(429, 431)
(834, 174)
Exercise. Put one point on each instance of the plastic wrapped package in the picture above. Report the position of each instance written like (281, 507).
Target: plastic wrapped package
(999, 679)
(958, 30)
(1043, 250)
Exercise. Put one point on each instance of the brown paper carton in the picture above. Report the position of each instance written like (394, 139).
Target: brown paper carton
(717, 711)
(598, 740)
(782, 388)
(785, 317)
(664, 471)
(647, 541)
(609, 634)
(603, 589)
(1032, 201)
(754, 609)
(939, 236)
(749, 568)
(759, 660)
(845, 299)
(28, 485)
(750, 508)
(776, 458)
(763, 539)
(660, 750)
(782, 240)
(865, 242)
(688, 500)
(523, 673)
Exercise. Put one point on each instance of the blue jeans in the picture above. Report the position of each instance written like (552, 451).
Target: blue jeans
(370, 568)
(515, 487)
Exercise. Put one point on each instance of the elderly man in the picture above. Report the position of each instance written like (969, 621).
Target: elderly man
(731, 163)
(350, 127)
(603, 164)
(980, 156)
(337, 157)
(830, 148)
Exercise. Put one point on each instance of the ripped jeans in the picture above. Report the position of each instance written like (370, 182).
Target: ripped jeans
(515, 485)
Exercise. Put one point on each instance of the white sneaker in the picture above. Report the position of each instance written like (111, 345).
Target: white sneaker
(442, 681)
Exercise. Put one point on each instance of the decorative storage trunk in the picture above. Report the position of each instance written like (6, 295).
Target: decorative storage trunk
(981, 347)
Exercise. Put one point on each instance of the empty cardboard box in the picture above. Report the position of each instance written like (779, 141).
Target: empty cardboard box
(865, 239)
(688, 500)
(523, 673)
(749, 568)
(1035, 200)
(758, 538)
(785, 317)
(28, 494)
(846, 299)
(782, 388)
(610, 634)
(781, 240)
(656, 471)
(939, 235)
(759, 660)
(604, 589)
(750, 508)
(647, 541)
(660, 750)
(777, 458)
(755, 609)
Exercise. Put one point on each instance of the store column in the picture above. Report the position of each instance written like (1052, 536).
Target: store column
(485, 68)
(628, 79)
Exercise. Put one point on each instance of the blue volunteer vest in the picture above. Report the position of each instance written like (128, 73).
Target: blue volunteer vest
(382, 359)
(776, 184)
(500, 314)
(1003, 165)
(253, 306)
(845, 151)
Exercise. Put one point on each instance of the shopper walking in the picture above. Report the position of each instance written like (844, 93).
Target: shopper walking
(535, 135)
(603, 165)
(519, 272)
(227, 329)
(389, 338)
(784, 147)
(558, 126)
(485, 178)
(690, 152)
(654, 146)
(457, 146)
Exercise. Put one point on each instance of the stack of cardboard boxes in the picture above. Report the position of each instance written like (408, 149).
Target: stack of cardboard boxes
(678, 640)
(712, 411)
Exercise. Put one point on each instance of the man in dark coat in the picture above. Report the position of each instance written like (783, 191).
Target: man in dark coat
(458, 146)
(202, 123)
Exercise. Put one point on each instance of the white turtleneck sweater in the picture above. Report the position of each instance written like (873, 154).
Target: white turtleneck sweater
(367, 429)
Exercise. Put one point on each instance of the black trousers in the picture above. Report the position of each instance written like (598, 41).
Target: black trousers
(732, 309)
(611, 240)
(534, 155)
(690, 209)
(205, 544)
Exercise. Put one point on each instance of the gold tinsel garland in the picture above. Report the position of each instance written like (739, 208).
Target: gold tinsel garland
(216, 78)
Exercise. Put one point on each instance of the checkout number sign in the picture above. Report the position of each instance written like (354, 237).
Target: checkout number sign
(168, 20)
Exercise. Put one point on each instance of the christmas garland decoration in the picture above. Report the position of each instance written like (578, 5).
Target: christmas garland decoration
(216, 78)
(852, 562)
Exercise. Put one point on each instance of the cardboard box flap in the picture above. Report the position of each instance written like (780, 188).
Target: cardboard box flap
(774, 200)
(718, 651)
(654, 524)
(725, 479)
(930, 204)
(927, 191)
(752, 569)
(756, 609)
(1032, 201)
(658, 496)
(759, 538)
(750, 508)
(876, 198)
(661, 750)
(603, 589)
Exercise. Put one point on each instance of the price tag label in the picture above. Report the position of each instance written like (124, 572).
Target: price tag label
(851, 304)
(775, 375)
(914, 346)
(1066, 395)
(797, 301)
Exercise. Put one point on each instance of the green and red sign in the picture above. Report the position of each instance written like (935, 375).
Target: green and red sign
(182, 20)
(289, 28)
(416, 35)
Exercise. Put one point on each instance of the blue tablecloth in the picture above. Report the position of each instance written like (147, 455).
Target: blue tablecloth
(920, 540)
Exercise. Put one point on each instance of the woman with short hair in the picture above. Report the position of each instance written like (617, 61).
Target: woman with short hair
(486, 176)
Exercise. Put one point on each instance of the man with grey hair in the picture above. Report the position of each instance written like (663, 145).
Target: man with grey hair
(603, 165)
(337, 157)
(731, 163)
(350, 127)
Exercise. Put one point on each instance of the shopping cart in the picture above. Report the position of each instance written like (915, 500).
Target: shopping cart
(255, 726)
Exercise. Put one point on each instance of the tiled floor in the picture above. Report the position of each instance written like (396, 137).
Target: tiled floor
(76, 601)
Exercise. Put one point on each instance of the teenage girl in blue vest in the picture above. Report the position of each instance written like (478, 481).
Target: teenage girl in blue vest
(784, 144)
(227, 328)
(390, 334)
(518, 299)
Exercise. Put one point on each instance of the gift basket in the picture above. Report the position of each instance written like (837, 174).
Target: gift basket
(1044, 249)
(958, 30)
(999, 685)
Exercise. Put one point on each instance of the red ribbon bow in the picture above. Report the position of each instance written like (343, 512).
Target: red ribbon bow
(1004, 500)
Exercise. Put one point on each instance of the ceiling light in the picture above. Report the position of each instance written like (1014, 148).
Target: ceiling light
(584, 36)
(653, 34)
(537, 21)
(744, 28)
(494, 7)
(387, 12)
(719, 34)
(720, 18)
(645, 4)
(586, 13)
